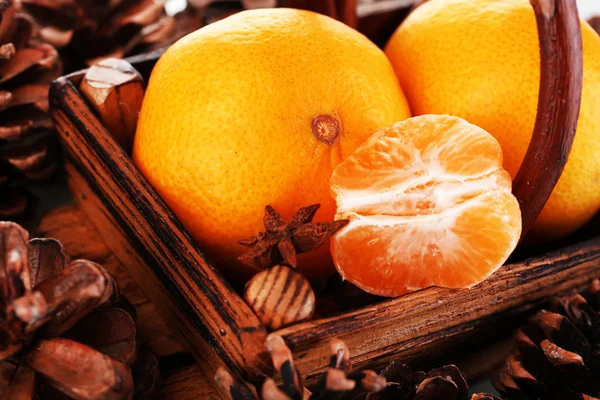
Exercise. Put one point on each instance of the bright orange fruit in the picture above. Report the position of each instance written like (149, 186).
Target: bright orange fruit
(480, 60)
(429, 204)
(258, 109)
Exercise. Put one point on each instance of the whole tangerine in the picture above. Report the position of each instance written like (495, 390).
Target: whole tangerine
(258, 109)
(480, 60)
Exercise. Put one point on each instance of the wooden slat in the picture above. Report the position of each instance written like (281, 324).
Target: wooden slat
(218, 327)
(432, 321)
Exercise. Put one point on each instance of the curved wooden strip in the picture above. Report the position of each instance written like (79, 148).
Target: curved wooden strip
(218, 325)
(558, 106)
(425, 325)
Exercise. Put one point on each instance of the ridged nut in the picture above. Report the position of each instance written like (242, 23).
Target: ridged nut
(280, 296)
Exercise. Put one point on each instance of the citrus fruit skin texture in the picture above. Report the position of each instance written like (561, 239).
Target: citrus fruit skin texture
(227, 121)
(429, 204)
(479, 60)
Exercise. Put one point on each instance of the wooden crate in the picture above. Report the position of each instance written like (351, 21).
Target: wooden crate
(215, 323)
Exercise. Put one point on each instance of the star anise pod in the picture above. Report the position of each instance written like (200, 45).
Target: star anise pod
(281, 242)
(64, 326)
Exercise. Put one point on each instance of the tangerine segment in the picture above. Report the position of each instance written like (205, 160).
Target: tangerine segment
(429, 205)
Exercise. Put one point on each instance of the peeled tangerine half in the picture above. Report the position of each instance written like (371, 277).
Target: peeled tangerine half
(429, 204)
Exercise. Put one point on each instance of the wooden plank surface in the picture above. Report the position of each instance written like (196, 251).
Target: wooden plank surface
(436, 320)
(213, 321)
(181, 378)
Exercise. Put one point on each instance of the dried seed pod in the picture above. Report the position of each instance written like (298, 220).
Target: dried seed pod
(43, 295)
(86, 31)
(280, 296)
(281, 242)
(556, 352)
(115, 90)
(27, 145)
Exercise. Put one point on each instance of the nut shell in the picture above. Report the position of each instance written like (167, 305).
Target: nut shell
(280, 296)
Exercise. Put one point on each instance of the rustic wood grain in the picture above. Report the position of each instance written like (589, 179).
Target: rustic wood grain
(181, 378)
(559, 100)
(433, 321)
(219, 328)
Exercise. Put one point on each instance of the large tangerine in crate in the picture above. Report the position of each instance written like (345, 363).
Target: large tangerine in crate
(480, 60)
(259, 109)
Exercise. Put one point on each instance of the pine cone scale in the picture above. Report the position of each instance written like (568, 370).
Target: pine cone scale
(35, 94)
(7, 51)
(143, 13)
(110, 331)
(59, 361)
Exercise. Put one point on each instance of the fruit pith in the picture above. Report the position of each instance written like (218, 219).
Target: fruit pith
(258, 109)
(429, 204)
(479, 60)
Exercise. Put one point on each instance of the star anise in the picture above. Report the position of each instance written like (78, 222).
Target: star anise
(281, 242)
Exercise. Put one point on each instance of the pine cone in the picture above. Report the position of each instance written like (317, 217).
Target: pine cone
(87, 31)
(557, 354)
(445, 383)
(26, 70)
(63, 325)
(337, 382)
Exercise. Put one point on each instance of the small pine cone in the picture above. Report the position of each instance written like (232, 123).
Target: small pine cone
(337, 382)
(445, 383)
(557, 354)
(26, 142)
(87, 31)
(64, 325)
